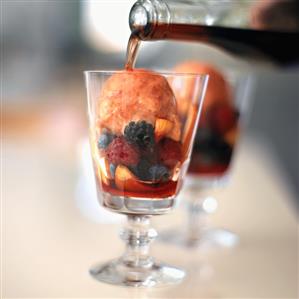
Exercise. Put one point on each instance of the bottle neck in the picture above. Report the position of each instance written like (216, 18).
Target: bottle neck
(145, 15)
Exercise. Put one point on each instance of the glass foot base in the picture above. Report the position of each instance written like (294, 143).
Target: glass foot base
(208, 238)
(117, 273)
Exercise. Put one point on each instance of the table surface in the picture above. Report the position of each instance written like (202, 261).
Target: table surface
(49, 243)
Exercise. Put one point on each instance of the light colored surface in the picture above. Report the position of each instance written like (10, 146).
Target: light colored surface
(48, 245)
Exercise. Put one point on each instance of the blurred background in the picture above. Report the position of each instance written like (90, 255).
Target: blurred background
(45, 47)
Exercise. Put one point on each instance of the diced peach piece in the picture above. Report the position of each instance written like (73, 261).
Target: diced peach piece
(162, 128)
(127, 181)
(231, 136)
(175, 132)
(188, 130)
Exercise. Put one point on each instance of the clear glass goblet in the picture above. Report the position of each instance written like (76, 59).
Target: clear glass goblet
(141, 151)
(210, 167)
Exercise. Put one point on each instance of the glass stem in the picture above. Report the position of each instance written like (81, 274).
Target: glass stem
(196, 219)
(138, 234)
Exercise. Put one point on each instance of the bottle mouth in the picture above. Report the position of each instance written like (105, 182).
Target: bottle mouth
(140, 20)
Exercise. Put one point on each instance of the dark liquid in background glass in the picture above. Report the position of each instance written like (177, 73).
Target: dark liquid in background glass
(213, 149)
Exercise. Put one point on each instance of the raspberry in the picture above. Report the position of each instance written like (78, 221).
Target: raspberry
(170, 152)
(221, 118)
(140, 133)
(119, 151)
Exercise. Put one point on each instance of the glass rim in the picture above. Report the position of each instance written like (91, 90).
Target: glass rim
(155, 72)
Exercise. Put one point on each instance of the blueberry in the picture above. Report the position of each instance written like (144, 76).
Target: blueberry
(104, 140)
(159, 173)
(141, 169)
(112, 170)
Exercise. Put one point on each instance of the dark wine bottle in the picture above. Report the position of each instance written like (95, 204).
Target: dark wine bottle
(181, 20)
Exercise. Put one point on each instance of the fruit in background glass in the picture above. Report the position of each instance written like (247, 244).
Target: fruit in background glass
(218, 90)
(218, 126)
(221, 118)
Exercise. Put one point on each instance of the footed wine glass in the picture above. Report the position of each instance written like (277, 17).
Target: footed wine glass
(212, 154)
(141, 150)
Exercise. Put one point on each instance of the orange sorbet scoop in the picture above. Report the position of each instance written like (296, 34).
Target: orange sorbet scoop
(137, 95)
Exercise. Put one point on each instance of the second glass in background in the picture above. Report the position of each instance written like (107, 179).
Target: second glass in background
(223, 115)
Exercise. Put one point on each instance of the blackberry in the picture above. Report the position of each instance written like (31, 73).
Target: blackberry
(140, 133)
